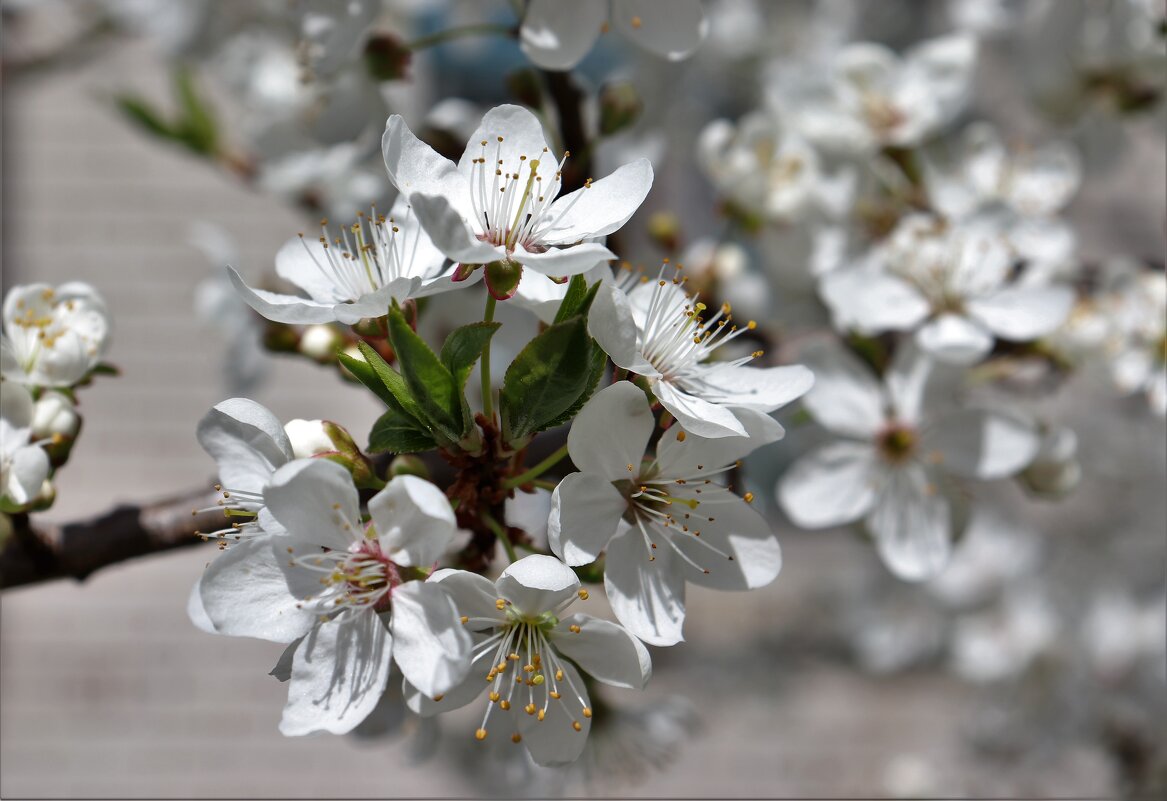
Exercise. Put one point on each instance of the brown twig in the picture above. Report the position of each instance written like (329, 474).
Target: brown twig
(36, 552)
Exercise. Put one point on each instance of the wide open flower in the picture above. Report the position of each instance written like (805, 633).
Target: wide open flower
(359, 274)
(950, 281)
(53, 337)
(557, 35)
(656, 330)
(498, 204)
(345, 598)
(528, 654)
(663, 521)
(900, 450)
(23, 467)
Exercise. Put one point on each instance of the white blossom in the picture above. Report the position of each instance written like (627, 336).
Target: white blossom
(53, 337)
(23, 466)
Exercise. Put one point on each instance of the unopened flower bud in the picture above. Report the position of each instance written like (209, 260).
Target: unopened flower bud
(54, 414)
(1055, 471)
(45, 498)
(407, 464)
(308, 438)
(320, 342)
(386, 57)
(620, 107)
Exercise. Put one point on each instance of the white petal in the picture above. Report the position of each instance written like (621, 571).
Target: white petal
(16, 410)
(846, 396)
(764, 389)
(536, 584)
(247, 442)
(315, 500)
(414, 521)
(982, 444)
(611, 324)
(672, 29)
(611, 432)
(281, 308)
(553, 741)
(457, 697)
(585, 511)
(955, 339)
(430, 644)
(338, 674)
(604, 650)
(910, 523)
(1023, 313)
(696, 415)
(27, 473)
(245, 594)
(831, 485)
(452, 232)
(473, 595)
(302, 261)
(414, 167)
(694, 456)
(510, 132)
(907, 379)
(565, 261)
(601, 208)
(557, 35)
(647, 597)
(196, 612)
(747, 553)
(1043, 181)
(872, 302)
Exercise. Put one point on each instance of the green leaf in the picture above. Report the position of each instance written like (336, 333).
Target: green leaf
(367, 376)
(597, 361)
(395, 432)
(578, 299)
(464, 346)
(438, 395)
(392, 381)
(546, 379)
(196, 127)
(142, 114)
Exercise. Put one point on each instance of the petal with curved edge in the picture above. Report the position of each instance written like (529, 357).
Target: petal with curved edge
(955, 339)
(244, 594)
(982, 444)
(846, 397)
(338, 674)
(414, 521)
(536, 584)
(452, 232)
(430, 644)
(609, 435)
(556, 35)
(909, 377)
(304, 262)
(612, 325)
(27, 473)
(604, 651)
(196, 612)
(316, 502)
(553, 740)
(672, 29)
(513, 135)
(647, 597)
(457, 697)
(694, 457)
(415, 167)
(729, 545)
(585, 512)
(1020, 314)
(764, 389)
(564, 261)
(601, 207)
(872, 302)
(473, 595)
(247, 442)
(281, 308)
(696, 415)
(831, 485)
(911, 525)
(377, 303)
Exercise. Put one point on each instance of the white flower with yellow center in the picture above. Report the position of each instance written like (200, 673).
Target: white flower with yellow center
(376, 261)
(499, 202)
(53, 337)
(658, 331)
(529, 653)
(23, 466)
(345, 597)
(663, 521)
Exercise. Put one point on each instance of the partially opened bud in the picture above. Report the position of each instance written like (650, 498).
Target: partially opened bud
(320, 342)
(54, 414)
(407, 464)
(620, 107)
(308, 438)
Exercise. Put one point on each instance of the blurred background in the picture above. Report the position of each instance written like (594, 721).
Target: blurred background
(1033, 667)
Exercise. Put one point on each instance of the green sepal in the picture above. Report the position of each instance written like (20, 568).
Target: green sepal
(546, 379)
(433, 387)
(464, 346)
(396, 432)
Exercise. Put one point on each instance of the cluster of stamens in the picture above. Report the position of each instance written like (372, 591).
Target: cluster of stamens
(240, 508)
(366, 256)
(359, 577)
(42, 326)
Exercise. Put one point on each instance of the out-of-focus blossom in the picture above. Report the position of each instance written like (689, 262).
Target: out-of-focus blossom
(1119, 633)
(54, 415)
(1138, 343)
(557, 36)
(661, 522)
(336, 179)
(53, 337)
(1055, 470)
(871, 98)
(528, 653)
(951, 283)
(903, 447)
(334, 32)
(996, 552)
(657, 330)
(23, 466)
(358, 274)
(498, 204)
(1003, 642)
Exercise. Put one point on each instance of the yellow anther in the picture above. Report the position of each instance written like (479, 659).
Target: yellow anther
(554, 694)
(587, 711)
(480, 734)
(504, 705)
(636, 23)
(680, 436)
(529, 709)
(630, 468)
(516, 738)
(574, 629)
(500, 604)
(465, 619)
(748, 497)
(576, 725)
(438, 697)
(494, 696)
(583, 595)
(559, 676)
(538, 679)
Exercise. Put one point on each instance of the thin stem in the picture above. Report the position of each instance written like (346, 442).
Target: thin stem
(487, 391)
(547, 485)
(441, 37)
(537, 470)
(500, 535)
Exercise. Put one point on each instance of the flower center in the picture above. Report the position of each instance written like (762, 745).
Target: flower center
(240, 508)
(361, 576)
(40, 324)
(365, 257)
(897, 443)
(881, 114)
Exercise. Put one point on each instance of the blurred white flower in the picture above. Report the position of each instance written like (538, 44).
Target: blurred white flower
(661, 522)
(1003, 642)
(994, 553)
(334, 32)
(53, 337)
(54, 414)
(1055, 470)
(1118, 633)
(336, 179)
(1138, 343)
(23, 467)
(557, 35)
(529, 653)
(951, 283)
(903, 445)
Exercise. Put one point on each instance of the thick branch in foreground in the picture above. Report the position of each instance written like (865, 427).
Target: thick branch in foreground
(37, 552)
